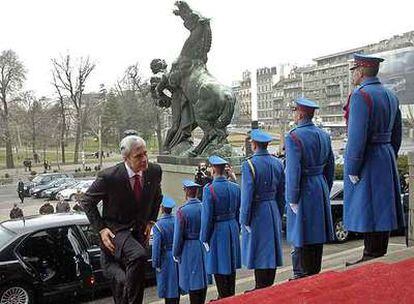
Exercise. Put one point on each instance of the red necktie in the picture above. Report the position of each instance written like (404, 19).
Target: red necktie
(137, 188)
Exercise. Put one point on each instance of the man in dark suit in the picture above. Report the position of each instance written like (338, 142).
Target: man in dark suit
(131, 196)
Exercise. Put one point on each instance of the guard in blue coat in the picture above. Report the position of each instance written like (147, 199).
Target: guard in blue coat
(162, 257)
(310, 169)
(220, 231)
(187, 247)
(372, 202)
(261, 210)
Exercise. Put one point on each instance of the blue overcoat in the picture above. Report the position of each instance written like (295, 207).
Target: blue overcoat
(310, 167)
(162, 258)
(374, 138)
(220, 227)
(187, 247)
(262, 205)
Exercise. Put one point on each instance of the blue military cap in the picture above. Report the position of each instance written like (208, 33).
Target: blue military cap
(307, 103)
(168, 202)
(259, 135)
(368, 61)
(187, 183)
(216, 160)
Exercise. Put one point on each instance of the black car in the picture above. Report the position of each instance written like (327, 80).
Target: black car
(42, 179)
(52, 192)
(45, 257)
(39, 190)
(337, 205)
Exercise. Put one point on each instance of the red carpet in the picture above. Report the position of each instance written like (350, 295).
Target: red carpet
(372, 283)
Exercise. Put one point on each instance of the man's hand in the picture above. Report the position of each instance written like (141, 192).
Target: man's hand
(354, 179)
(106, 237)
(248, 229)
(206, 246)
(294, 208)
(147, 232)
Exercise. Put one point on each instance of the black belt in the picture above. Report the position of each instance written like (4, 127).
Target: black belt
(224, 217)
(380, 138)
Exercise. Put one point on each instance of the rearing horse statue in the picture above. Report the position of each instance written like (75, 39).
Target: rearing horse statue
(204, 102)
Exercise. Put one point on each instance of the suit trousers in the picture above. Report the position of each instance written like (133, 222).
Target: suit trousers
(226, 285)
(264, 277)
(125, 269)
(198, 296)
(375, 244)
(307, 260)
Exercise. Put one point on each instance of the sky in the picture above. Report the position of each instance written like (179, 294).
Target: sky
(246, 34)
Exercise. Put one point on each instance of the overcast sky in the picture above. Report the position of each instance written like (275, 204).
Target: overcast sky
(258, 33)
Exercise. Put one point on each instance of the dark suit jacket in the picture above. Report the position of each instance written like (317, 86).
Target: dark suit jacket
(120, 209)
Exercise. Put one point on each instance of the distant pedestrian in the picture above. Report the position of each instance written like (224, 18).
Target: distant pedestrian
(20, 190)
(16, 212)
(62, 206)
(372, 201)
(46, 208)
(162, 257)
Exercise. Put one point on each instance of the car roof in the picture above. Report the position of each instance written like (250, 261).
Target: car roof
(39, 222)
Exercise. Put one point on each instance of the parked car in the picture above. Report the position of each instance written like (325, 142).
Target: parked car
(337, 203)
(69, 194)
(52, 192)
(48, 256)
(38, 191)
(42, 179)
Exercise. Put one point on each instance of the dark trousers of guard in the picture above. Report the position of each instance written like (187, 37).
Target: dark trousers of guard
(126, 271)
(172, 300)
(226, 285)
(198, 296)
(375, 244)
(307, 260)
(264, 277)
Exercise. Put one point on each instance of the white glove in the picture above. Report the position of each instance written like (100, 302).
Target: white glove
(354, 179)
(158, 269)
(206, 246)
(294, 208)
(177, 260)
(249, 230)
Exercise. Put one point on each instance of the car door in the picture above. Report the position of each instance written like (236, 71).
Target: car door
(94, 251)
(59, 260)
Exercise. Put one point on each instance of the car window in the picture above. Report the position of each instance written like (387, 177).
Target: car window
(51, 253)
(91, 235)
(5, 236)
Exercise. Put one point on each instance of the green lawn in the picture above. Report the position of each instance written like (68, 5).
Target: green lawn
(90, 146)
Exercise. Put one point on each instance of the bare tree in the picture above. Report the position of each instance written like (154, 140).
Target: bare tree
(12, 75)
(62, 114)
(72, 80)
(33, 115)
(131, 86)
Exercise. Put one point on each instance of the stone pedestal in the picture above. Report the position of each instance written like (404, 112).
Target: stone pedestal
(176, 168)
(411, 204)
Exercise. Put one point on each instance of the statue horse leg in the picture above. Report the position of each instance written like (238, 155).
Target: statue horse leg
(208, 136)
